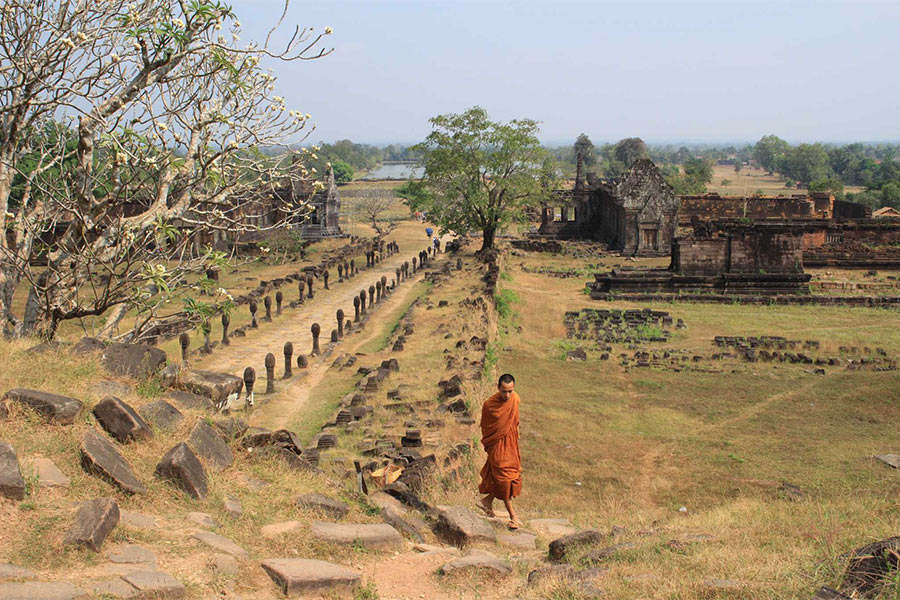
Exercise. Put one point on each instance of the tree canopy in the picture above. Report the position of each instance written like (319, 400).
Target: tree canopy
(480, 174)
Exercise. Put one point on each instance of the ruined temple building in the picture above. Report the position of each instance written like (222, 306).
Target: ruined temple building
(636, 214)
(324, 219)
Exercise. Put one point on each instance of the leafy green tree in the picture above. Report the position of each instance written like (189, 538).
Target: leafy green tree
(629, 150)
(832, 185)
(480, 174)
(738, 165)
(698, 169)
(769, 150)
(343, 173)
(585, 149)
(890, 194)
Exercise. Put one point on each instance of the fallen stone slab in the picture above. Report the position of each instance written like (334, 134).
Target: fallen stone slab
(113, 588)
(8, 571)
(307, 577)
(137, 520)
(61, 410)
(553, 527)
(99, 457)
(42, 590)
(94, 521)
(220, 543)
(461, 527)
(182, 467)
(892, 460)
(161, 414)
(481, 562)
(380, 536)
(210, 446)
(564, 545)
(233, 506)
(397, 516)
(192, 401)
(202, 519)
(133, 360)
(231, 428)
(322, 503)
(155, 584)
(133, 554)
(519, 540)
(87, 345)
(274, 530)
(215, 386)
(121, 421)
(12, 484)
(224, 564)
(47, 473)
(431, 549)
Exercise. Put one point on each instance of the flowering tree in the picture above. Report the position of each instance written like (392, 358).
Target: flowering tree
(128, 131)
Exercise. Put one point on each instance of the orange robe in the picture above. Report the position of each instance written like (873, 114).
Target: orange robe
(501, 475)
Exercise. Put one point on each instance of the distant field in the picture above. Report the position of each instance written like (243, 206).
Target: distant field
(749, 180)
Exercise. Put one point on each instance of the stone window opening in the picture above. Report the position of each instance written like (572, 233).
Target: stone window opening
(557, 214)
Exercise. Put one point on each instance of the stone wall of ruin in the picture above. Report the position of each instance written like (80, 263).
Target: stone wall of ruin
(756, 208)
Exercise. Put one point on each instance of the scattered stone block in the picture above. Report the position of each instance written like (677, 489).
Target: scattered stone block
(94, 521)
(872, 567)
(320, 502)
(161, 414)
(202, 519)
(233, 506)
(133, 554)
(133, 360)
(461, 527)
(519, 540)
(87, 345)
(192, 401)
(231, 428)
(577, 354)
(892, 460)
(274, 530)
(308, 577)
(12, 484)
(209, 445)
(563, 545)
(221, 543)
(215, 386)
(137, 520)
(396, 515)
(480, 562)
(8, 571)
(377, 536)
(224, 564)
(121, 421)
(113, 588)
(48, 474)
(42, 590)
(182, 467)
(61, 410)
(156, 585)
(600, 555)
(100, 457)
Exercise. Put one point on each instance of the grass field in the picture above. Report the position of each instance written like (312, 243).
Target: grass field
(749, 180)
(609, 446)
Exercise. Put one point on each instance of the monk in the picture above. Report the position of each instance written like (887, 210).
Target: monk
(501, 476)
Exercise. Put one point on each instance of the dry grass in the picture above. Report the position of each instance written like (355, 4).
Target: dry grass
(749, 180)
(604, 446)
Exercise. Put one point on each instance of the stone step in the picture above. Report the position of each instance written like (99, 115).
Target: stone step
(221, 543)
(306, 577)
(42, 590)
(376, 536)
(477, 562)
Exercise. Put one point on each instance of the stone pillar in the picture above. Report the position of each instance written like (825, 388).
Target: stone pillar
(302, 362)
(249, 381)
(315, 329)
(378, 291)
(288, 352)
(270, 373)
(226, 321)
(347, 270)
(205, 329)
(301, 286)
(362, 302)
(253, 307)
(371, 296)
(459, 264)
(340, 322)
(309, 286)
(325, 279)
(279, 299)
(414, 264)
(383, 285)
(348, 326)
(352, 267)
(356, 309)
(267, 302)
(185, 340)
(334, 336)
(340, 273)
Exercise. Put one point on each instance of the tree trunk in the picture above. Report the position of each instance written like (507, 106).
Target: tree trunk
(488, 238)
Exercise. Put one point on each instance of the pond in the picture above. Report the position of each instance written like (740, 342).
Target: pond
(394, 171)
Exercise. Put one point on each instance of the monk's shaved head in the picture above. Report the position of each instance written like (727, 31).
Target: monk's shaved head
(506, 378)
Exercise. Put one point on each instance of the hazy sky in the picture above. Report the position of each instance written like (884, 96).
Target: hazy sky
(664, 71)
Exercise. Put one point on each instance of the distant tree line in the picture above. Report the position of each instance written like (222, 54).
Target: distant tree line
(347, 157)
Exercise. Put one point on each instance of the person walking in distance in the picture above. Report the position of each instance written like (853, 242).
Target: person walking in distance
(501, 476)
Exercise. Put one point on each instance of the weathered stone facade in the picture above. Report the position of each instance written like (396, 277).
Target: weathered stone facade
(816, 205)
(636, 215)
(324, 219)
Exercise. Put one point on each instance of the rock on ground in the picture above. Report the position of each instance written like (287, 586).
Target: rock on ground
(220, 543)
(210, 446)
(42, 590)
(377, 536)
(181, 466)
(8, 571)
(321, 502)
(460, 526)
(307, 577)
(121, 421)
(273, 530)
(12, 484)
(94, 521)
(48, 474)
(162, 414)
(480, 562)
(134, 360)
(100, 457)
(215, 386)
(157, 585)
(61, 410)
(562, 546)
(202, 519)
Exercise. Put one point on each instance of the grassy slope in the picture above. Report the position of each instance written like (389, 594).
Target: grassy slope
(607, 447)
